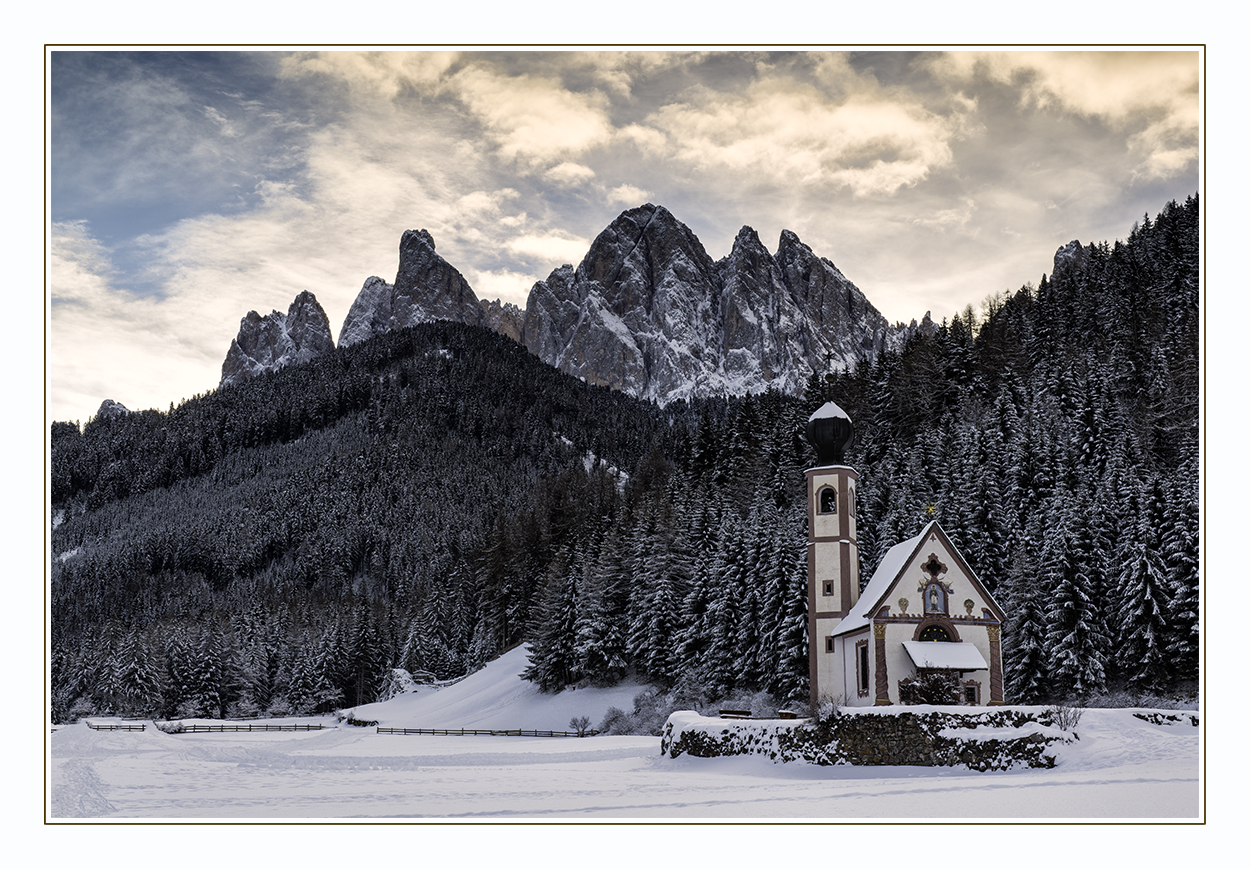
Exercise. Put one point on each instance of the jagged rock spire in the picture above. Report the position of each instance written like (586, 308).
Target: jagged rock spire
(276, 340)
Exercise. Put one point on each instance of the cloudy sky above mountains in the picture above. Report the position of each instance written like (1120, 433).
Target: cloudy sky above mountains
(188, 188)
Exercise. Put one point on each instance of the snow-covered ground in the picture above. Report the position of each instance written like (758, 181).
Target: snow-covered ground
(1121, 768)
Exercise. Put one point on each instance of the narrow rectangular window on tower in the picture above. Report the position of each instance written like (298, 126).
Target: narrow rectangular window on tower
(829, 587)
(828, 644)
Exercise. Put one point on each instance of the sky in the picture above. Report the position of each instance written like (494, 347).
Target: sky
(189, 187)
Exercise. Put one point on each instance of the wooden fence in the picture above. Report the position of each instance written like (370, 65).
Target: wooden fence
(426, 731)
(247, 728)
(403, 731)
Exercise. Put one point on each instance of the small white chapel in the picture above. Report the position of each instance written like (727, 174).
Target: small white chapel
(924, 612)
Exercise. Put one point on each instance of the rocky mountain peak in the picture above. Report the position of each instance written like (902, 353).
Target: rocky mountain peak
(629, 258)
(1070, 256)
(647, 311)
(110, 409)
(750, 251)
(426, 288)
(276, 340)
(370, 312)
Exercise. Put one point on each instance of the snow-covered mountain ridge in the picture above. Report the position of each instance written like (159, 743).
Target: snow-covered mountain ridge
(647, 311)
(276, 340)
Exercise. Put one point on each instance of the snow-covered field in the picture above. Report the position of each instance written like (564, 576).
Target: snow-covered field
(1121, 768)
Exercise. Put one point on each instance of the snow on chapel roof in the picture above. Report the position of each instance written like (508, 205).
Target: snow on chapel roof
(887, 571)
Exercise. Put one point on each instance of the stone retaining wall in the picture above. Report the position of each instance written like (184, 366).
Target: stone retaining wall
(998, 740)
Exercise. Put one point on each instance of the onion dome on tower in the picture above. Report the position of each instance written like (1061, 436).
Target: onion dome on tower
(829, 430)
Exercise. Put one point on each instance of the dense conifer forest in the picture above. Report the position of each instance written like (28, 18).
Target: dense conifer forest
(432, 497)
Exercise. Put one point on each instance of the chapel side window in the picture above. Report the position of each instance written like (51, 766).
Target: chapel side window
(861, 668)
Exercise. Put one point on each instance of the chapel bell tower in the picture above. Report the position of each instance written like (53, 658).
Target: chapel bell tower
(832, 550)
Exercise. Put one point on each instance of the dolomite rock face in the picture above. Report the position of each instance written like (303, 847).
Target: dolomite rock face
(504, 318)
(1071, 257)
(648, 312)
(369, 314)
(110, 409)
(629, 316)
(426, 288)
(276, 340)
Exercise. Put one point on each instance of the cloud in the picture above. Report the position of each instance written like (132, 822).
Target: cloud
(647, 139)
(128, 132)
(948, 218)
(384, 74)
(556, 249)
(104, 342)
(503, 284)
(627, 195)
(1151, 95)
(533, 120)
(784, 132)
(569, 174)
(619, 72)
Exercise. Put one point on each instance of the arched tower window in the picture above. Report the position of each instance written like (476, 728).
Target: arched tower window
(827, 500)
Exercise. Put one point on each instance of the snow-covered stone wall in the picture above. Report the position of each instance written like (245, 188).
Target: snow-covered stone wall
(998, 740)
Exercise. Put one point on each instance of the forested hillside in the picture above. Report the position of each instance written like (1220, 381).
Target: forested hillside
(431, 497)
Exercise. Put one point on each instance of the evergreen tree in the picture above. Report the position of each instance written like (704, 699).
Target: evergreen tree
(367, 660)
(725, 606)
(1140, 656)
(1024, 641)
(790, 674)
(135, 679)
(206, 696)
(1182, 572)
(1076, 642)
(553, 654)
(179, 678)
(602, 647)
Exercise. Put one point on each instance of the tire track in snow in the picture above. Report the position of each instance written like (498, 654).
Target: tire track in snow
(77, 791)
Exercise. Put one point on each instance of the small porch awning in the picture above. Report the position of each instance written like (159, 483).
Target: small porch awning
(945, 656)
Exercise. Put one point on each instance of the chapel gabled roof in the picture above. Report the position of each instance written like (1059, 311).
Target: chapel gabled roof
(896, 561)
